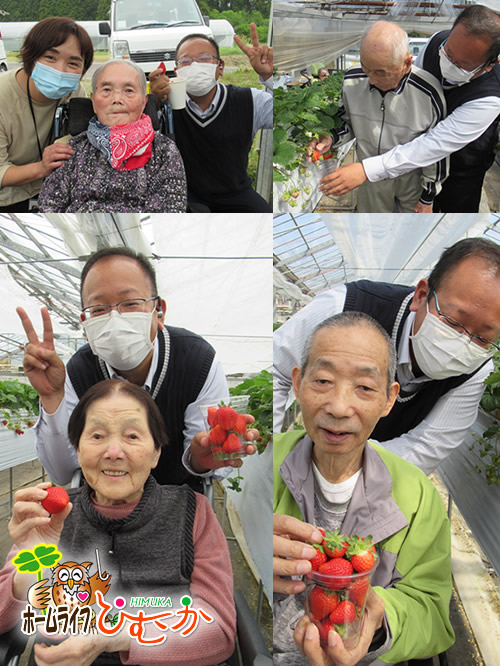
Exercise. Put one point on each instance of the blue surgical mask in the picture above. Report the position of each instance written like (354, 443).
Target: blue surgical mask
(52, 83)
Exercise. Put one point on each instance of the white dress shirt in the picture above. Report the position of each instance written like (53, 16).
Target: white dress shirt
(59, 457)
(434, 438)
(465, 124)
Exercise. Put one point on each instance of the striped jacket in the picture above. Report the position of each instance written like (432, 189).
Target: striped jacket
(382, 122)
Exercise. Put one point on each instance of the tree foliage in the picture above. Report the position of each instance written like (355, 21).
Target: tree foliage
(94, 10)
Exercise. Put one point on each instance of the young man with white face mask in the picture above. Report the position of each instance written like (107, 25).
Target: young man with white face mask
(445, 331)
(465, 61)
(214, 133)
(123, 318)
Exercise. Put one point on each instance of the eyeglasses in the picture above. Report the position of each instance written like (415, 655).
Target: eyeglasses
(204, 57)
(477, 339)
(130, 305)
(465, 71)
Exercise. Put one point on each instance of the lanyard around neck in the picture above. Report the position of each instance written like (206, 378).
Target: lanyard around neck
(34, 119)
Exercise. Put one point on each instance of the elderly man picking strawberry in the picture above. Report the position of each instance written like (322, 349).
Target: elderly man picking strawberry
(331, 475)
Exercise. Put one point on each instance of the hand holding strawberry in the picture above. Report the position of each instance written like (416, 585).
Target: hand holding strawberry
(30, 524)
(322, 645)
(56, 500)
(202, 458)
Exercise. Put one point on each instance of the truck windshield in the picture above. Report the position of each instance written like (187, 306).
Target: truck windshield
(134, 15)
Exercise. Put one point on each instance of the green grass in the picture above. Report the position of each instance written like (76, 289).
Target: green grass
(242, 77)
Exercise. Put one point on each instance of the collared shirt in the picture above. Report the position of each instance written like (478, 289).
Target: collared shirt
(426, 445)
(465, 124)
(59, 457)
(262, 105)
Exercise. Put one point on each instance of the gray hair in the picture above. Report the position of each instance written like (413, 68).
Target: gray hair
(396, 39)
(347, 320)
(136, 68)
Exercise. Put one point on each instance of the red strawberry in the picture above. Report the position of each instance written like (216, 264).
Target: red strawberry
(56, 499)
(319, 559)
(316, 155)
(358, 589)
(226, 417)
(335, 544)
(232, 444)
(320, 529)
(324, 627)
(363, 561)
(344, 613)
(361, 553)
(212, 416)
(217, 435)
(4, 422)
(336, 567)
(241, 424)
(322, 602)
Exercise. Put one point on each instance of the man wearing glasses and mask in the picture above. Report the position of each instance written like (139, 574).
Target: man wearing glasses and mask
(214, 133)
(445, 330)
(124, 320)
(465, 61)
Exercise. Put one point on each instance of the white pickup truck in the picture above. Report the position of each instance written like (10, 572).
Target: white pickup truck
(148, 31)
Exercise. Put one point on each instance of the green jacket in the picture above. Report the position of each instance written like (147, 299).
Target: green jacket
(394, 502)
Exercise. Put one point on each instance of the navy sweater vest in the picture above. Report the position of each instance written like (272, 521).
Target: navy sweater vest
(477, 156)
(383, 301)
(215, 149)
(177, 382)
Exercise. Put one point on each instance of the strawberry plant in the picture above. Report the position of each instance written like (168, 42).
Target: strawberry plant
(488, 444)
(260, 405)
(301, 114)
(18, 405)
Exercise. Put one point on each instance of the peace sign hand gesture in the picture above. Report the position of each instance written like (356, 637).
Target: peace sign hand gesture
(259, 55)
(42, 365)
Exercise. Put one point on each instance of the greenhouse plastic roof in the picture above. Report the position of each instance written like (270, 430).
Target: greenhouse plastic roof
(306, 31)
(215, 282)
(314, 252)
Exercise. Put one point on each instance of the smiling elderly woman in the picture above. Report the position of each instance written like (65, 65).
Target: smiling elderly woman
(119, 164)
(155, 541)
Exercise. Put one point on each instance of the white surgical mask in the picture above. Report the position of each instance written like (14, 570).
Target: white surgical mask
(452, 73)
(122, 340)
(52, 83)
(441, 352)
(200, 77)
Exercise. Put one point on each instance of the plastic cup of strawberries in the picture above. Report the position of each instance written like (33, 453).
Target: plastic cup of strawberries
(226, 425)
(338, 584)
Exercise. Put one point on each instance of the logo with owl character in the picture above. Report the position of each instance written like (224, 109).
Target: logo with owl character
(71, 586)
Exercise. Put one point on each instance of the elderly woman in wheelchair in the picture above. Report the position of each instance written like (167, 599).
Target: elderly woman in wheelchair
(120, 164)
(147, 541)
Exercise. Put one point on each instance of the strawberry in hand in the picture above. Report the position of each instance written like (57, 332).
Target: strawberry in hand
(56, 500)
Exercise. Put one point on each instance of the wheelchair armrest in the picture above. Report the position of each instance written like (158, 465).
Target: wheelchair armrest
(12, 644)
(253, 648)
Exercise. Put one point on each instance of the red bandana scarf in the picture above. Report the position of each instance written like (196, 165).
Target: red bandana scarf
(126, 147)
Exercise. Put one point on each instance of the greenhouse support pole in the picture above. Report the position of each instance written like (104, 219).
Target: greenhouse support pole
(264, 177)
(264, 184)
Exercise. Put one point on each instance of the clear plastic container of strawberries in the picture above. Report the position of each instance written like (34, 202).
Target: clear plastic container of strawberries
(226, 425)
(337, 586)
